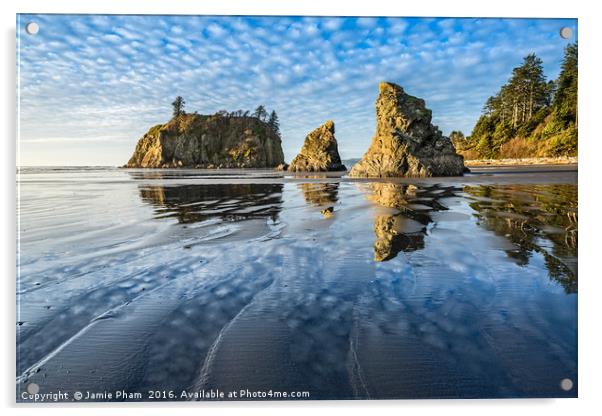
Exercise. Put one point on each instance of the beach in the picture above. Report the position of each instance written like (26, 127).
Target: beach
(192, 281)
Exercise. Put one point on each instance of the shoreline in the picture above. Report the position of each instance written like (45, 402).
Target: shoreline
(565, 160)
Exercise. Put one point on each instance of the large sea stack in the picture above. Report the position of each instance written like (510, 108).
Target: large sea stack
(319, 153)
(209, 141)
(406, 143)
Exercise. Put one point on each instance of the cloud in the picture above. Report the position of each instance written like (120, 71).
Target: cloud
(332, 24)
(106, 79)
(366, 22)
(216, 30)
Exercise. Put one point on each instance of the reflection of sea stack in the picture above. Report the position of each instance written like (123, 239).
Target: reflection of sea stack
(406, 143)
(395, 233)
(317, 193)
(406, 229)
(392, 195)
(321, 194)
(398, 232)
(229, 202)
(319, 153)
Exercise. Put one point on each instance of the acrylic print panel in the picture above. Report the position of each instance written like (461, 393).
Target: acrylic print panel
(292, 208)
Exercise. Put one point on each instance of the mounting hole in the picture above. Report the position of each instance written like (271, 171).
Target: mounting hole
(32, 28)
(566, 384)
(33, 388)
(566, 33)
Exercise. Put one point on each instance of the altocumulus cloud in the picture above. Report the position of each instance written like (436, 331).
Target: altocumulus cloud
(90, 86)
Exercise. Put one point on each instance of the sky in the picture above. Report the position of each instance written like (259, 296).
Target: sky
(89, 86)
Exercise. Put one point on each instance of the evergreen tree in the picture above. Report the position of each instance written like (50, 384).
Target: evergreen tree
(565, 99)
(529, 116)
(178, 106)
(260, 113)
(274, 123)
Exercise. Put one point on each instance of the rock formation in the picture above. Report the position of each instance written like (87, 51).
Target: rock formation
(209, 141)
(406, 143)
(319, 153)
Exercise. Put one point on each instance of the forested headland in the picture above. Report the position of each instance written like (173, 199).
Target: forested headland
(529, 116)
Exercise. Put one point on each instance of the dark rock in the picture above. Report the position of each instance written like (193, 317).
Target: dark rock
(328, 212)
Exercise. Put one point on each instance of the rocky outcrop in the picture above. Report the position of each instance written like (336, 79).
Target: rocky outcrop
(319, 153)
(406, 143)
(214, 141)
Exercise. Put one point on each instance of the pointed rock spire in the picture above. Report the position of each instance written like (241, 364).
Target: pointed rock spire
(406, 143)
(319, 153)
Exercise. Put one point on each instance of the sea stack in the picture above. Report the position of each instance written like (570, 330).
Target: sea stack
(209, 141)
(406, 144)
(320, 152)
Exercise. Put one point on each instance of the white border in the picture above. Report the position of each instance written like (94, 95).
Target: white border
(590, 152)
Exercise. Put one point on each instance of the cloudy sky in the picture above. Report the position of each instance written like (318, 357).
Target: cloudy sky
(91, 86)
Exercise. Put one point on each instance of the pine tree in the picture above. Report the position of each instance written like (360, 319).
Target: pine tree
(565, 99)
(530, 109)
(274, 123)
(260, 113)
(526, 91)
(178, 106)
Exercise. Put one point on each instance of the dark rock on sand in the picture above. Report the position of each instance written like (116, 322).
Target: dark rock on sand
(319, 153)
(328, 212)
(209, 141)
(406, 143)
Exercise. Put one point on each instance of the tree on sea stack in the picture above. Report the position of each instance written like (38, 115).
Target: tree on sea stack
(178, 106)
(260, 113)
(274, 123)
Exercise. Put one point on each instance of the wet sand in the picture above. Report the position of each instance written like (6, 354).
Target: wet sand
(189, 280)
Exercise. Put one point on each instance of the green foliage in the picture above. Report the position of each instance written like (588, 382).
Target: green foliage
(484, 146)
(260, 113)
(528, 127)
(529, 109)
(274, 123)
(564, 143)
(565, 100)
